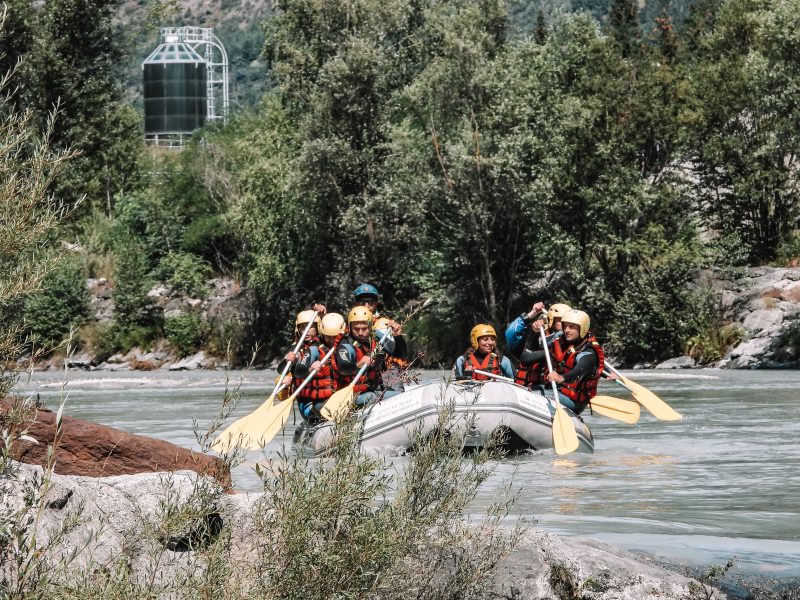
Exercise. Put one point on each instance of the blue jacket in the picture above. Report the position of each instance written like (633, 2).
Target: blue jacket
(515, 335)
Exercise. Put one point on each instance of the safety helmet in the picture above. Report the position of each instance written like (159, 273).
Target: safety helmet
(479, 331)
(579, 318)
(381, 323)
(365, 289)
(359, 314)
(332, 325)
(305, 316)
(556, 311)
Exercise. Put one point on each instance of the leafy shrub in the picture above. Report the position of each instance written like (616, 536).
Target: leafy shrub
(62, 303)
(186, 332)
(659, 311)
(132, 307)
(185, 273)
(228, 338)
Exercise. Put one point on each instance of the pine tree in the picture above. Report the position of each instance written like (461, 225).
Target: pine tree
(623, 25)
(540, 33)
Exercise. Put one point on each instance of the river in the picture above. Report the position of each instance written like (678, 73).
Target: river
(723, 482)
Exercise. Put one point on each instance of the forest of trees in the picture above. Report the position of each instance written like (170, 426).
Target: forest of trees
(428, 148)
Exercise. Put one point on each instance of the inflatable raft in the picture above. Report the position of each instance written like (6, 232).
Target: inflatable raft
(389, 426)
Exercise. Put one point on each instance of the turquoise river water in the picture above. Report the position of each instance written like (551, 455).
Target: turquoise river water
(723, 482)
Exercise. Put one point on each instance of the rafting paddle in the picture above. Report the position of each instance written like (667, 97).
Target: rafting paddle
(261, 427)
(565, 438)
(660, 409)
(231, 436)
(616, 408)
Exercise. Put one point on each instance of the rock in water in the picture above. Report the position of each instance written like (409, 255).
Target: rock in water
(90, 449)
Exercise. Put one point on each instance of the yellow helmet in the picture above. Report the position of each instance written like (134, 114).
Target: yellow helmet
(332, 324)
(579, 318)
(305, 316)
(381, 323)
(556, 311)
(479, 331)
(359, 314)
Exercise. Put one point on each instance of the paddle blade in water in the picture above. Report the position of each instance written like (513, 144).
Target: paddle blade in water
(660, 409)
(565, 438)
(616, 408)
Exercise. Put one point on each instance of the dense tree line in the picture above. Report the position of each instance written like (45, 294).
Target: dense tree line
(429, 148)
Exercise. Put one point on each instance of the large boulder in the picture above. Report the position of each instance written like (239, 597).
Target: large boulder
(86, 448)
(765, 304)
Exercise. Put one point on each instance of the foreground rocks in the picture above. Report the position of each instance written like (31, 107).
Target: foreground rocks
(174, 516)
(90, 449)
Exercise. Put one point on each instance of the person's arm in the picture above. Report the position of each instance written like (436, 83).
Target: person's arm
(400, 347)
(515, 334)
(507, 368)
(303, 366)
(529, 357)
(458, 369)
(345, 357)
(585, 365)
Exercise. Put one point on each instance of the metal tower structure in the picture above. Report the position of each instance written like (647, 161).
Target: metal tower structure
(202, 42)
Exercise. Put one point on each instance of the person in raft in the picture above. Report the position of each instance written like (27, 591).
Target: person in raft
(361, 347)
(483, 355)
(578, 360)
(532, 375)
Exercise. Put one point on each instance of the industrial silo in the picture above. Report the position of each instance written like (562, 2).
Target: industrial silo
(175, 92)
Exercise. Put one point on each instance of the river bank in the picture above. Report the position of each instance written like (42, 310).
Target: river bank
(758, 327)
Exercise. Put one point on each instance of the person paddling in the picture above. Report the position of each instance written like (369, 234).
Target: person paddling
(356, 349)
(483, 355)
(368, 295)
(578, 361)
(312, 397)
(532, 375)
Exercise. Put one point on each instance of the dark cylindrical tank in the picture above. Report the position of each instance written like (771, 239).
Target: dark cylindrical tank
(175, 94)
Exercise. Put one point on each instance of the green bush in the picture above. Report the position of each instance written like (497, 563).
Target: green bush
(228, 338)
(132, 307)
(186, 332)
(185, 273)
(61, 304)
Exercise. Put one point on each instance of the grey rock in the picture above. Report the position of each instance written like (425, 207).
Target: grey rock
(189, 363)
(175, 515)
(680, 362)
(759, 320)
(80, 361)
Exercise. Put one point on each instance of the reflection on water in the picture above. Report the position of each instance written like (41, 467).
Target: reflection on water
(723, 481)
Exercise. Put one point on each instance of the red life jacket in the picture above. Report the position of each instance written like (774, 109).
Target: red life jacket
(584, 390)
(322, 386)
(533, 374)
(370, 380)
(490, 364)
(302, 353)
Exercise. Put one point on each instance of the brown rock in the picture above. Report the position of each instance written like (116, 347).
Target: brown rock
(93, 450)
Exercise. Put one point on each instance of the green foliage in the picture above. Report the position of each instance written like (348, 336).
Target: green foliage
(60, 306)
(132, 306)
(187, 332)
(659, 310)
(742, 125)
(185, 273)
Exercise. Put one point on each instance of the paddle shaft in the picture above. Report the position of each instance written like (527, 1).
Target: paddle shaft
(549, 365)
(493, 376)
(296, 349)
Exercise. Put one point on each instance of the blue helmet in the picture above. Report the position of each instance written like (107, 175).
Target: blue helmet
(365, 289)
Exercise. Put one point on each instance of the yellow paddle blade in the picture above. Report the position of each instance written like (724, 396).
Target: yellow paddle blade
(660, 409)
(338, 403)
(565, 438)
(231, 436)
(262, 428)
(616, 408)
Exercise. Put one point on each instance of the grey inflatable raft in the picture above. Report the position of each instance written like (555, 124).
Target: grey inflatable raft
(389, 426)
